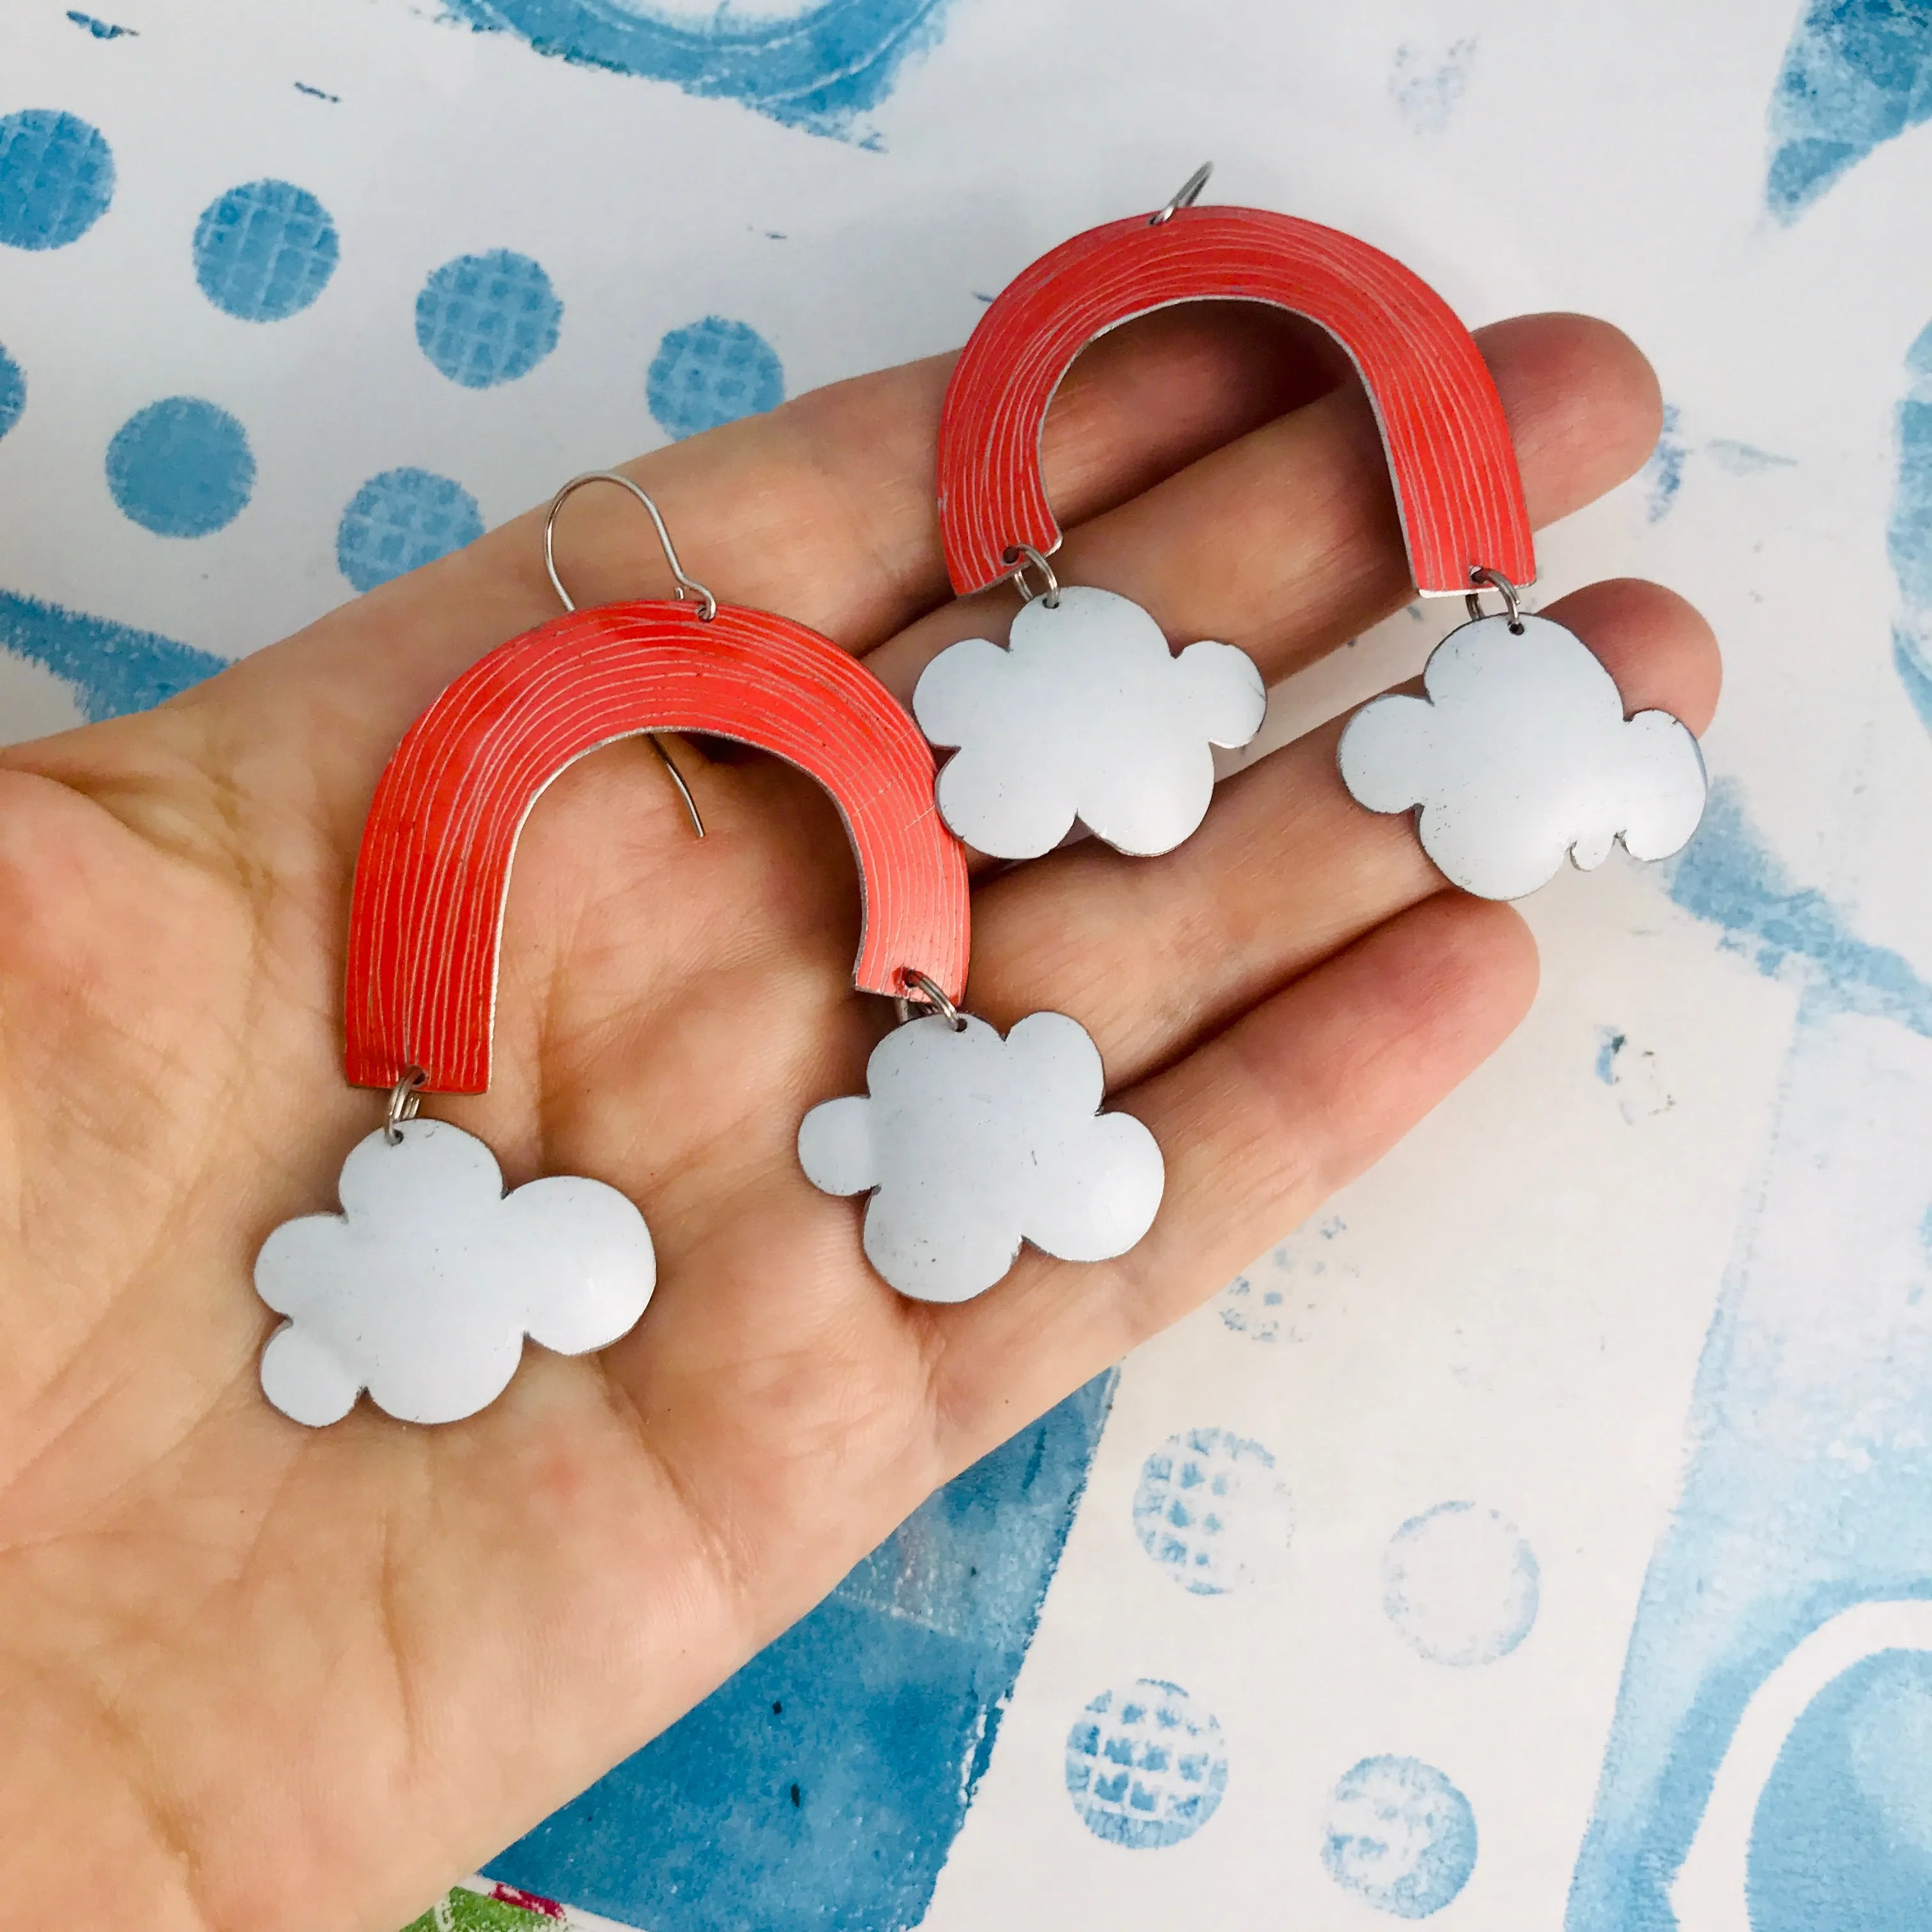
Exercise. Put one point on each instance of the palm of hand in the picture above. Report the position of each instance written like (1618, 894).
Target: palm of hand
(250, 1668)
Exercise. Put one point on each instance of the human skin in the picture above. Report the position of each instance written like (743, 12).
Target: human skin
(255, 1678)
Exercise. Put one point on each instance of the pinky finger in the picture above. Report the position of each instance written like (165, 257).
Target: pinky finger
(1259, 1126)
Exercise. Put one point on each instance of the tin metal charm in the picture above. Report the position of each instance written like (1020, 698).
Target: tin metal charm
(1085, 715)
(1519, 755)
(967, 1144)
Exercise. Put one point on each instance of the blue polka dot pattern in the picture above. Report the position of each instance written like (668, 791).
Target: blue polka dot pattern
(56, 178)
(711, 373)
(265, 250)
(1461, 1584)
(483, 320)
(1145, 1766)
(1210, 1510)
(181, 467)
(13, 392)
(1400, 1836)
(400, 520)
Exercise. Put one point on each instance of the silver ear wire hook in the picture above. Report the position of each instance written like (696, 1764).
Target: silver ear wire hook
(707, 608)
(708, 602)
(1185, 195)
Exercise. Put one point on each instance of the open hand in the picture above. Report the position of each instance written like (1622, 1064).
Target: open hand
(258, 1679)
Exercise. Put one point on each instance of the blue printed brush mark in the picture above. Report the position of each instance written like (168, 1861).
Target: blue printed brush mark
(1745, 459)
(1146, 1766)
(265, 250)
(1610, 1042)
(1857, 74)
(56, 178)
(483, 320)
(1665, 470)
(816, 66)
(1211, 1511)
(1787, 932)
(181, 467)
(1427, 84)
(1400, 1836)
(1844, 1831)
(1908, 538)
(400, 520)
(822, 1786)
(1461, 1585)
(101, 30)
(1803, 1510)
(711, 373)
(113, 668)
(13, 392)
(1634, 1073)
(317, 93)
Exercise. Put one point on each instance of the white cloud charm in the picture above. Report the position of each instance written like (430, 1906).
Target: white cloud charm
(1085, 714)
(969, 1143)
(422, 1289)
(1521, 753)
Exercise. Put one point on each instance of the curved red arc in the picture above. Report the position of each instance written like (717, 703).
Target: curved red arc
(434, 866)
(1448, 443)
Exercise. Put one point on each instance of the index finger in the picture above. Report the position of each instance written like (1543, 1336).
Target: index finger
(824, 509)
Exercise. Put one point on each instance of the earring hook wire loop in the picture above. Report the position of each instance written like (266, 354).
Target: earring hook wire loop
(1185, 195)
(707, 604)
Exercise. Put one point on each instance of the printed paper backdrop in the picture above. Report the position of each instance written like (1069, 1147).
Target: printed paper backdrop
(1543, 1534)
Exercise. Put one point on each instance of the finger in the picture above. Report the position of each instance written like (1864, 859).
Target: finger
(1258, 1127)
(824, 509)
(1152, 954)
(1286, 542)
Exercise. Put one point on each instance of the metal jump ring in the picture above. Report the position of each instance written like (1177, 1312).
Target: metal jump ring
(1496, 581)
(405, 1098)
(930, 996)
(1185, 195)
(708, 603)
(1019, 556)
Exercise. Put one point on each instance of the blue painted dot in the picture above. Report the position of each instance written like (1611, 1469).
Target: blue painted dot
(13, 392)
(711, 373)
(181, 467)
(483, 320)
(399, 521)
(1400, 1836)
(1461, 1584)
(265, 250)
(1146, 1766)
(56, 177)
(1210, 1511)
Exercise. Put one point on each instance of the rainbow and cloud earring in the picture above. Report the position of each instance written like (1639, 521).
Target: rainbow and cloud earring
(1520, 752)
(422, 1290)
